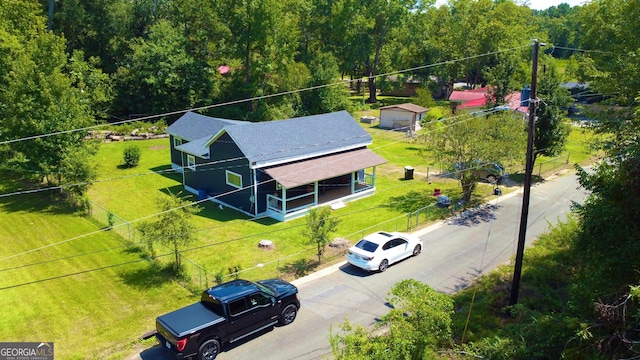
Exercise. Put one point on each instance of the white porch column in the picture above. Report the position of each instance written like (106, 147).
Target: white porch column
(284, 200)
(315, 192)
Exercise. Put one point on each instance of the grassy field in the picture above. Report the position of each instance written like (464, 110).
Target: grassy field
(66, 280)
(87, 294)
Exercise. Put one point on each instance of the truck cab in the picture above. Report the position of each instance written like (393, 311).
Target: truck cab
(227, 313)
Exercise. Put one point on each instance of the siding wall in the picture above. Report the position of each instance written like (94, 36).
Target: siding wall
(396, 118)
(210, 174)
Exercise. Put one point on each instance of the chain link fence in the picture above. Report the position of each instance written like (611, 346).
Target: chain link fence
(198, 276)
(553, 164)
(115, 223)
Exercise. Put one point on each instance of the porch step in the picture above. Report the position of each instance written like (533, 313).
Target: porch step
(337, 205)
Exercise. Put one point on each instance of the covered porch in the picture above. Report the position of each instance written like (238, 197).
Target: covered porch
(331, 180)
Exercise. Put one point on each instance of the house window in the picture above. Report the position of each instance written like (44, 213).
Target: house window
(191, 162)
(234, 179)
(177, 142)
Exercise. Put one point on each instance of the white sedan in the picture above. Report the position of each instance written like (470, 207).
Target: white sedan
(379, 250)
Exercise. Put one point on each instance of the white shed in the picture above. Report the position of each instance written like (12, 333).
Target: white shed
(402, 117)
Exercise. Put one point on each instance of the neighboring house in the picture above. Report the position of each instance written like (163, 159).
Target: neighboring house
(402, 117)
(476, 100)
(189, 127)
(406, 86)
(279, 169)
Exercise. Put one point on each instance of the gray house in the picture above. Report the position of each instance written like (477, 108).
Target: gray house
(278, 169)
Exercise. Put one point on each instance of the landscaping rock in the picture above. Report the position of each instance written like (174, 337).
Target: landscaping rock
(340, 243)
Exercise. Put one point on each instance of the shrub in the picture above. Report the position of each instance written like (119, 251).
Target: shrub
(131, 156)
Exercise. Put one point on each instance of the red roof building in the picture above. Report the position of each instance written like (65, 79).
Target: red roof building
(476, 99)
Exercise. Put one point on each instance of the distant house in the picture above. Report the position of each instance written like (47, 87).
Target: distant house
(476, 100)
(278, 169)
(402, 117)
(406, 86)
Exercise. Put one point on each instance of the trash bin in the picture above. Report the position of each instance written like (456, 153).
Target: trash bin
(497, 191)
(202, 194)
(408, 172)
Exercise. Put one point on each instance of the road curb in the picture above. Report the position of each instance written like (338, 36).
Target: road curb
(335, 267)
(318, 274)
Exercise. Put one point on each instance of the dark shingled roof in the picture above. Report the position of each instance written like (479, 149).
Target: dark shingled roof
(192, 126)
(273, 142)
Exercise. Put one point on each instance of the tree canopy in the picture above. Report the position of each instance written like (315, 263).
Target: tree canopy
(466, 143)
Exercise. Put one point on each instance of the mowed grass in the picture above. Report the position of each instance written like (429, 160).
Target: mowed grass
(87, 293)
(66, 280)
(228, 239)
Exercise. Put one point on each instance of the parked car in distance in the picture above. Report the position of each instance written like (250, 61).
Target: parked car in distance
(492, 172)
(226, 313)
(375, 252)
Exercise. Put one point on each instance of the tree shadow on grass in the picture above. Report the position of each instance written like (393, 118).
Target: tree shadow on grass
(148, 277)
(411, 201)
(41, 203)
(300, 268)
(210, 210)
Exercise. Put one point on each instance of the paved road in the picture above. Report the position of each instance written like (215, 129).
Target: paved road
(456, 251)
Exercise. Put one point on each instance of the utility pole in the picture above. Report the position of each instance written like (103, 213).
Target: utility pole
(515, 284)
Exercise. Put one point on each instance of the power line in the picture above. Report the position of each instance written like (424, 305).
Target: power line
(186, 205)
(65, 186)
(234, 102)
(586, 50)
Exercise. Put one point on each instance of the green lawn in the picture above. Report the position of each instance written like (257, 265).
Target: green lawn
(65, 280)
(87, 294)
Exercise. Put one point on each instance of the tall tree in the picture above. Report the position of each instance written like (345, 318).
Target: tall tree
(474, 141)
(42, 98)
(264, 37)
(551, 129)
(610, 31)
(324, 98)
(367, 27)
(162, 74)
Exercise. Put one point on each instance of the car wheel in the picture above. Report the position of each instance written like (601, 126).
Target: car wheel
(288, 314)
(384, 264)
(416, 250)
(209, 350)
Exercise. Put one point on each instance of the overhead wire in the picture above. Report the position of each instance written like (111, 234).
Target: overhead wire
(205, 107)
(201, 108)
(201, 165)
(467, 117)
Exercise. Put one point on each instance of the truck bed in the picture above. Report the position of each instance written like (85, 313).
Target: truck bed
(189, 319)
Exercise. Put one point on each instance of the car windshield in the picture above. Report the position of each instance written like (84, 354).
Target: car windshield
(367, 245)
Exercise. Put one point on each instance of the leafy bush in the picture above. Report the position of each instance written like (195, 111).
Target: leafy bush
(131, 156)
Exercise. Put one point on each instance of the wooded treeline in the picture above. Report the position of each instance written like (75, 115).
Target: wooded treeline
(169, 55)
(96, 60)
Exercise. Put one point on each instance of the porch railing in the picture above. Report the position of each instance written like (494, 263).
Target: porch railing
(275, 203)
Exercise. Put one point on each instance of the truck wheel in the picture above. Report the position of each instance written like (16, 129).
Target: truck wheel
(209, 350)
(288, 314)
